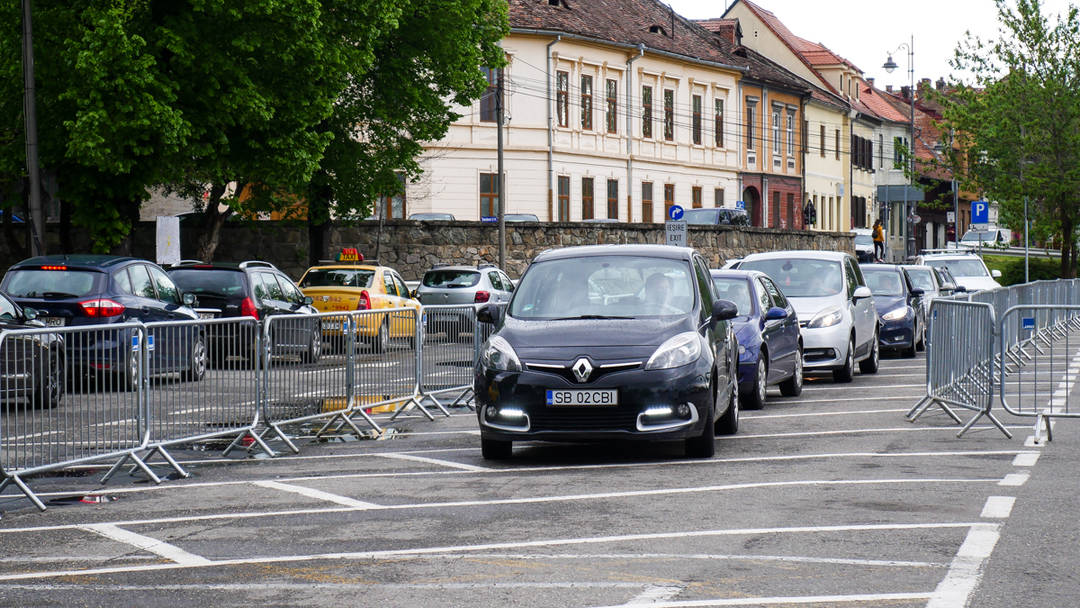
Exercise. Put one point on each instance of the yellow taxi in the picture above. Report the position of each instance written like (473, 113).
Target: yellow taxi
(349, 285)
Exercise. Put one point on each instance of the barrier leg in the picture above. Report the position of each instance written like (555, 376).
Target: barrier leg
(274, 428)
(165, 455)
(408, 406)
(25, 490)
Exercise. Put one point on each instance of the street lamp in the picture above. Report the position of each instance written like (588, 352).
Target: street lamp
(890, 65)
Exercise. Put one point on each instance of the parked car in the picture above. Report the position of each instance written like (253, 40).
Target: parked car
(602, 220)
(998, 238)
(767, 328)
(609, 342)
(901, 316)
(100, 290)
(835, 308)
(351, 284)
(31, 365)
(431, 217)
(864, 244)
(934, 283)
(717, 216)
(251, 289)
(968, 269)
(520, 217)
(450, 285)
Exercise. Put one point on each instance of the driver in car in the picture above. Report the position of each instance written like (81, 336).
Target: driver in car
(658, 290)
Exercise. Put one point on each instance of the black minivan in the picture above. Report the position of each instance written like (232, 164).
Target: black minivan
(609, 342)
(100, 290)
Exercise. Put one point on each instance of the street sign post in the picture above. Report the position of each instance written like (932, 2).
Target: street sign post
(740, 204)
(950, 216)
(675, 227)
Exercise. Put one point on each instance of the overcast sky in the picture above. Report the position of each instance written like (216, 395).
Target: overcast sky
(865, 32)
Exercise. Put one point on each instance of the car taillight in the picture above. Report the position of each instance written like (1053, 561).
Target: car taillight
(247, 308)
(102, 307)
(54, 267)
(365, 301)
(481, 296)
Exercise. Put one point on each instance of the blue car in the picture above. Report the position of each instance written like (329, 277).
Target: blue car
(901, 316)
(767, 329)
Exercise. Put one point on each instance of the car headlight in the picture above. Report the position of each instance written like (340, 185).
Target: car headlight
(500, 356)
(676, 351)
(896, 314)
(826, 318)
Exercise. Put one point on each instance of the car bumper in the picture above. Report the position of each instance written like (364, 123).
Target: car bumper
(896, 335)
(825, 347)
(638, 390)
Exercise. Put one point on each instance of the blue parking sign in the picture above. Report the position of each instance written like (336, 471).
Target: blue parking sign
(980, 212)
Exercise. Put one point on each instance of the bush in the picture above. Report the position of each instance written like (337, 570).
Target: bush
(1012, 268)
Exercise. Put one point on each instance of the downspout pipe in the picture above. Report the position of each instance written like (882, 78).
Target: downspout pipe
(630, 135)
(550, 126)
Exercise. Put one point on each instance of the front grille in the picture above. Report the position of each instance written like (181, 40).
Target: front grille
(575, 419)
(567, 374)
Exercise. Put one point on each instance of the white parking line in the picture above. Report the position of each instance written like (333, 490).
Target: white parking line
(902, 429)
(655, 594)
(966, 568)
(792, 600)
(317, 494)
(816, 414)
(998, 507)
(146, 543)
(1014, 479)
(1026, 459)
(867, 398)
(442, 463)
(837, 387)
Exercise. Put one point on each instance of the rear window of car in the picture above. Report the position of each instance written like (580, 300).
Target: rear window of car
(209, 282)
(337, 277)
(451, 278)
(34, 283)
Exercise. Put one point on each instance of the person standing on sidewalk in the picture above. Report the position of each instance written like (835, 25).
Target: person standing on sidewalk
(879, 242)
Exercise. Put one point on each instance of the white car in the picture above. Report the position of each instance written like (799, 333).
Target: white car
(864, 244)
(967, 268)
(998, 238)
(835, 308)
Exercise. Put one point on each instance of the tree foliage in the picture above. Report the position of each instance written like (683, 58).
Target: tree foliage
(1017, 124)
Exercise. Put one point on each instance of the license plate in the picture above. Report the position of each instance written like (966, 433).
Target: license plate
(331, 325)
(206, 315)
(577, 397)
(52, 321)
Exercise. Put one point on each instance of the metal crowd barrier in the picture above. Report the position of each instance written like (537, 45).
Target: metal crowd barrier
(448, 354)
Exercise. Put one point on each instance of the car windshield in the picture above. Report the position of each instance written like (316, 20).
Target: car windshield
(884, 282)
(961, 267)
(975, 236)
(921, 278)
(209, 282)
(451, 278)
(620, 286)
(702, 216)
(337, 277)
(801, 278)
(864, 239)
(734, 290)
(521, 217)
(32, 283)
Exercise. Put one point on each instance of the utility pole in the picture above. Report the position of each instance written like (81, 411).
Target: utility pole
(37, 216)
(499, 172)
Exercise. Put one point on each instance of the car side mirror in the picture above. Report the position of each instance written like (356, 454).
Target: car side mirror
(190, 300)
(29, 313)
(722, 310)
(775, 314)
(414, 294)
(916, 291)
(995, 273)
(488, 313)
(861, 292)
(308, 300)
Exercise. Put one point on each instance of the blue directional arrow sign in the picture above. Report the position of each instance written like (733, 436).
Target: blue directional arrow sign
(740, 204)
(675, 213)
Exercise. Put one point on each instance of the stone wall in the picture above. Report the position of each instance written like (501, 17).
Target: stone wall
(413, 247)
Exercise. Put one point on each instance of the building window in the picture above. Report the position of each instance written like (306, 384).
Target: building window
(696, 118)
(488, 111)
(393, 207)
(586, 198)
(646, 202)
(669, 198)
(718, 122)
(718, 197)
(562, 98)
(838, 144)
(613, 199)
(791, 133)
(750, 107)
(898, 143)
(612, 106)
(489, 195)
(822, 141)
(775, 209)
(776, 132)
(790, 211)
(586, 103)
(669, 114)
(646, 112)
(881, 151)
(695, 197)
(856, 151)
(564, 198)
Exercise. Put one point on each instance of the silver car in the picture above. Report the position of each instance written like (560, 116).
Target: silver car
(458, 285)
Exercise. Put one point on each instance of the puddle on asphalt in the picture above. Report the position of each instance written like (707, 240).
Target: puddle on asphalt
(86, 499)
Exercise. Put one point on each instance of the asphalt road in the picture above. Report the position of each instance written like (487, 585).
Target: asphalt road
(827, 499)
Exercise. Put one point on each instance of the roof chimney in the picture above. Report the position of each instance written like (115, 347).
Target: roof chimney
(905, 92)
(870, 83)
(888, 88)
(940, 84)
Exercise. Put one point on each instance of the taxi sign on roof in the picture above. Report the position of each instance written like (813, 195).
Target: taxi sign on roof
(350, 254)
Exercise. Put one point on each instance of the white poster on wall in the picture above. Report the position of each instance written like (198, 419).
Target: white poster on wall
(168, 240)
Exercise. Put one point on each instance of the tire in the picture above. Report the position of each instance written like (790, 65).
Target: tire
(49, 391)
(128, 378)
(704, 445)
(314, 349)
(494, 449)
(922, 338)
(870, 364)
(728, 423)
(197, 361)
(381, 341)
(792, 387)
(910, 351)
(755, 399)
(847, 372)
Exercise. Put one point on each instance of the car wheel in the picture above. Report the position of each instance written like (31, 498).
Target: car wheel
(314, 349)
(922, 338)
(869, 365)
(49, 390)
(381, 342)
(704, 445)
(494, 449)
(910, 351)
(728, 423)
(197, 362)
(847, 372)
(792, 387)
(755, 399)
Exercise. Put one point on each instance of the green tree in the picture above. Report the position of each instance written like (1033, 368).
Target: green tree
(1017, 123)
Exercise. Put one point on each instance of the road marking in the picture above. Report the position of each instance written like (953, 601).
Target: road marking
(1026, 459)
(998, 507)
(469, 549)
(1014, 479)
(115, 422)
(146, 543)
(833, 388)
(655, 594)
(708, 557)
(902, 429)
(793, 600)
(896, 398)
(316, 494)
(21, 437)
(815, 414)
(442, 463)
(966, 568)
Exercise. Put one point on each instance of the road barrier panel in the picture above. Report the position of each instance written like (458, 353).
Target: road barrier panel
(448, 354)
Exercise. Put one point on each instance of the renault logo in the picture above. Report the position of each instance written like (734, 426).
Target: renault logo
(582, 369)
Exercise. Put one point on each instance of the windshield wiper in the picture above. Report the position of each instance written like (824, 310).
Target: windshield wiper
(589, 317)
(58, 294)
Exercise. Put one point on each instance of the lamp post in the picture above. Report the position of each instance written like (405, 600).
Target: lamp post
(890, 65)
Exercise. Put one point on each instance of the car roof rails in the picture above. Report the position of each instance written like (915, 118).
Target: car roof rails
(485, 265)
(257, 264)
(188, 262)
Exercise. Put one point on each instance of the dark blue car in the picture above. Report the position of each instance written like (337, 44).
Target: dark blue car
(767, 328)
(900, 312)
(100, 291)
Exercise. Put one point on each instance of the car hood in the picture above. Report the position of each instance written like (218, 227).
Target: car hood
(807, 308)
(886, 303)
(977, 283)
(601, 338)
